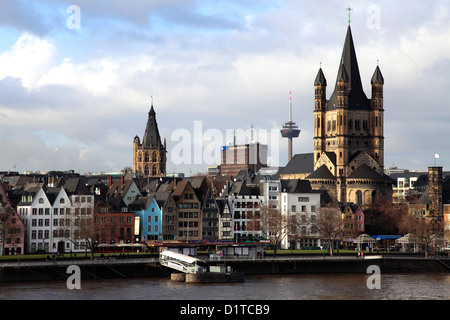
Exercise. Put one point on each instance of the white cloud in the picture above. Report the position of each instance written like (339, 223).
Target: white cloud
(29, 59)
(95, 76)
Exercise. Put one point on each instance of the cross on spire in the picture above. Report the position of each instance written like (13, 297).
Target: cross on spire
(349, 14)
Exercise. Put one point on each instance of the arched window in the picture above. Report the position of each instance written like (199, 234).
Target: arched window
(154, 171)
(359, 197)
(154, 156)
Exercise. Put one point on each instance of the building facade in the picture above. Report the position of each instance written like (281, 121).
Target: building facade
(54, 220)
(235, 158)
(243, 208)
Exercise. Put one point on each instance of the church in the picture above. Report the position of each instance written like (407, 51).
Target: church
(149, 157)
(348, 134)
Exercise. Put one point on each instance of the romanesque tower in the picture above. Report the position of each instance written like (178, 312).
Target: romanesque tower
(348, 133)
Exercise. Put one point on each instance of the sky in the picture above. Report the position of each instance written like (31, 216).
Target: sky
(77, 78)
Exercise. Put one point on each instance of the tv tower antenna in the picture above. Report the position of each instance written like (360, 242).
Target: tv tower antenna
(290, 130)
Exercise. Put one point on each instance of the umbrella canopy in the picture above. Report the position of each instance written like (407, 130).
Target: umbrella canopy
(365, 238)
(408, 238)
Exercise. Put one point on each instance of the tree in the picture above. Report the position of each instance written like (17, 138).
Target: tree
(79, 223)
(328, 224)
(384, 217)
(273, 225)
(426, 229)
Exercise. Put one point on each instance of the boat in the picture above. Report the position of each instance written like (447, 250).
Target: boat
(194, 270)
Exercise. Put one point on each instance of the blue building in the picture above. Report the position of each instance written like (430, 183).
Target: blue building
(146, 208)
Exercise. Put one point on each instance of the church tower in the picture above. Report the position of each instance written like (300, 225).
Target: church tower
(149, 157)
(348, 133)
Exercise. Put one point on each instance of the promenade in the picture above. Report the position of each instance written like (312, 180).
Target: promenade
(133, 267)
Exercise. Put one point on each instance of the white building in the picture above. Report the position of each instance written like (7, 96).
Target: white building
(243, 208)
(296, 199)
(51, 219)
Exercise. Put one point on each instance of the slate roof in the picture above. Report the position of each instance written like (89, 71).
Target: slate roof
(364, 172)
(377, 76)
(320, 78)
(151, 136)
(300, 163)
(321, 173)
(295, 186)
(349, 70)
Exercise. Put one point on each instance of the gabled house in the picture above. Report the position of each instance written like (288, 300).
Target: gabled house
(211, 217)
(149, 213)
(169, 220)
(113, 222)
(189, 211)
(225, 220)
(126, 190)
(12, 230)
(352, 220)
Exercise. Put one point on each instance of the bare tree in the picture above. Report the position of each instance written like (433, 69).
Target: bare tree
(384, 217)
(273, 225)
(78, 226)
(328, 224)
(426, 229)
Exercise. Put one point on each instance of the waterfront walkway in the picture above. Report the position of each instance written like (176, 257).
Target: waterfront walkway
(125, 260)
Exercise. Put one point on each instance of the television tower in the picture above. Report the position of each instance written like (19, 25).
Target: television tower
(290, 130)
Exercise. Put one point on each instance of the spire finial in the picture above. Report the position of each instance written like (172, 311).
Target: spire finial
(349, 14)
(320, 65)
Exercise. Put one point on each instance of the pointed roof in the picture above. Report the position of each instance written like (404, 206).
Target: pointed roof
(321, 173)
(349, 72)
(377, 77)
(151, 136)
(364, 172)
(320, 79)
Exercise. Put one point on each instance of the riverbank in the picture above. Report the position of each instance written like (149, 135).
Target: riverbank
(127, 267)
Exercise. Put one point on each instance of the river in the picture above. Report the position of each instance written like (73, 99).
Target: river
(411, 286)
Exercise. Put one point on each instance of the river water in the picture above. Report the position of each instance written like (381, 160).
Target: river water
(423, 286)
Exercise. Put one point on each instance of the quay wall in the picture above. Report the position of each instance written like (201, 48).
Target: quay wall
(57, 271)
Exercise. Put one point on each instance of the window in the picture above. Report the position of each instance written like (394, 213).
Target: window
(359, 197)
(303, 199)
(293, 208)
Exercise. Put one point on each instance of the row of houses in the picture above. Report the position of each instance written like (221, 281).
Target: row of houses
(66, 212)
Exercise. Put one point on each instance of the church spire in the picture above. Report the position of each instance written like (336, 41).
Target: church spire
(151, 136)
(349, 72)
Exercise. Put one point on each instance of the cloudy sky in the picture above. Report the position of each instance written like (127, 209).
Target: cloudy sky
(77, 77)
